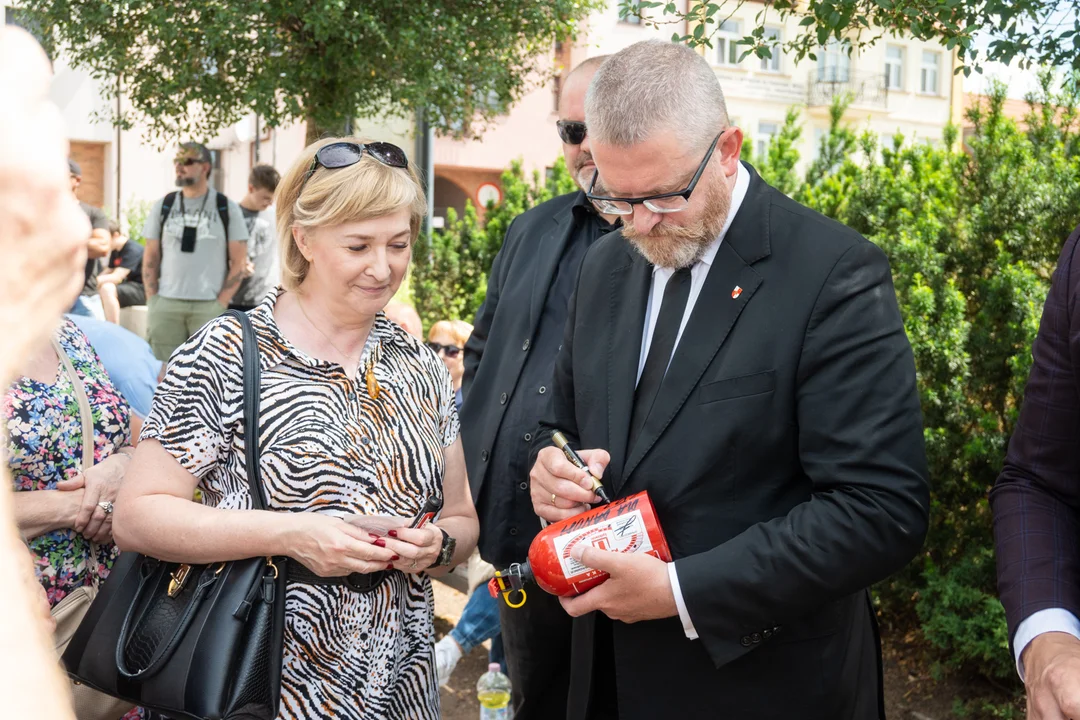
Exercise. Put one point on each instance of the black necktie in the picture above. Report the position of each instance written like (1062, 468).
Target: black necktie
(663, 343)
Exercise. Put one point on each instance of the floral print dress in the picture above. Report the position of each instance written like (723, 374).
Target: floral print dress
(44, 446)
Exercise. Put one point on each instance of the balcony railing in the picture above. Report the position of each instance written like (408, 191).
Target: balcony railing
(867, 89)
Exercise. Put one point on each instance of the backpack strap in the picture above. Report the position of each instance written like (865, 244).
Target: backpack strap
(223, 212)
(166, 208)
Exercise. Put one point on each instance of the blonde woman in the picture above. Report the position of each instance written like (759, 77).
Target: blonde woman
(447, 339)
(357, 417)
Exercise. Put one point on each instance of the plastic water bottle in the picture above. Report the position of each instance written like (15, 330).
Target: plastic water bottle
(493, 692)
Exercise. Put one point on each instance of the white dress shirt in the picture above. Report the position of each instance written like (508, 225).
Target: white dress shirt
(698, 273)
(1043, 621)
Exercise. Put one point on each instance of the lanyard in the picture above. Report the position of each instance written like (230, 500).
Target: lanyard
(202, 207)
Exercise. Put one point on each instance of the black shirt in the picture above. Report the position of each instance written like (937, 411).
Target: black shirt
(507, 521)
(130, 257)
(98, 221)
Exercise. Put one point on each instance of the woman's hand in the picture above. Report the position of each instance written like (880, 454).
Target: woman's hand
(331, 547)
(101, 484)
(417, 549)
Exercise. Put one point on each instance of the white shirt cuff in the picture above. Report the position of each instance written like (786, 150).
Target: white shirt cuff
(687, 623)
(1044, 621)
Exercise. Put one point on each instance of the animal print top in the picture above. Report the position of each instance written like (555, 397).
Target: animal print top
(326, 446)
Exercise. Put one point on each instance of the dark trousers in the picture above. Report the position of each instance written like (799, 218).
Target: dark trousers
(536, 639)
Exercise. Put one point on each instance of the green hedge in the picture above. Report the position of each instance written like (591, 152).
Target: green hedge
(973, 230)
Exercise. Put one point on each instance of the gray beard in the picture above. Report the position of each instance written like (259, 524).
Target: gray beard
(185, 181)
(686, 246)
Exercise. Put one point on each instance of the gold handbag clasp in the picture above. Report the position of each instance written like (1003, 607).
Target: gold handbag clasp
(179, 577)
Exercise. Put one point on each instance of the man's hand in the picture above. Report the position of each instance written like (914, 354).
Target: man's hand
(639, 587)
(1052, 676)
(558, 489)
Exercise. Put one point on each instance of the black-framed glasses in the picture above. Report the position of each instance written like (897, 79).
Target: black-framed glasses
(343, 154)
(572, 132)
(663, 203)
(452, 351)
(186, 162)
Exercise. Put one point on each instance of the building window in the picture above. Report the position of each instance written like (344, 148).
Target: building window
(928, 76)
(766, 132)
(727, 43)
(217, 173)
(894, 67)
(834, 63)
(773, 40)
(634, 17)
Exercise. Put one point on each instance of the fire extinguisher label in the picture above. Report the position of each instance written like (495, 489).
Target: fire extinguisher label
(622, 534)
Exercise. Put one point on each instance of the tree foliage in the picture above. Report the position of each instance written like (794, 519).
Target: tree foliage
(1040, 32)
(972, 235)
(193, 67)
(450, 271)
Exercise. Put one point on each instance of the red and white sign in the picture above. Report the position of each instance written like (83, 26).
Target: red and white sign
(488, 193)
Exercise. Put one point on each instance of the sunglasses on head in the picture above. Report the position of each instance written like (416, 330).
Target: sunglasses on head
(452, 351)
(343, 154)
(572, 132)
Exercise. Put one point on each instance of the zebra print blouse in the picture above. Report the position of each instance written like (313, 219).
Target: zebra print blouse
(327, 446)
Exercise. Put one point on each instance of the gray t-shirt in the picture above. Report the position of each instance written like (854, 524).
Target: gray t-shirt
(196, 275)
(262, 250)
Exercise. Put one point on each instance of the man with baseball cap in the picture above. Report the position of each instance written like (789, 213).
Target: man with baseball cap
(196, 253)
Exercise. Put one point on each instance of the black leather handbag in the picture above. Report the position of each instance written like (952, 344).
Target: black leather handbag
(192, 641)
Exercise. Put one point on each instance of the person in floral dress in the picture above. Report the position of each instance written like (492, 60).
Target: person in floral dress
(64, 513)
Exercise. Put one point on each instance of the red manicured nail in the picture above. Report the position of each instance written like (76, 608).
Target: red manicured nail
(379, 543)
(395, 558)
(392, 533)
(390, 566)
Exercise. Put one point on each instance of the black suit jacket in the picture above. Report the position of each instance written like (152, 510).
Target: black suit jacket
(517, 288)
(784, 456)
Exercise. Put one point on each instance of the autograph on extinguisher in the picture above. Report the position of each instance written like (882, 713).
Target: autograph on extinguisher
(628, 525)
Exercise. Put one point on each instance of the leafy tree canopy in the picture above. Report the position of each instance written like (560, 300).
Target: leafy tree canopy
(193, 67)
(1040, 32)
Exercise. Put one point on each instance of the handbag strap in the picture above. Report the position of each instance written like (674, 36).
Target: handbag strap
(252, 389)
(86, 416)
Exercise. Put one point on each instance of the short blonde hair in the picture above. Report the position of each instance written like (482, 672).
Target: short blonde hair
(336, 196)
(457, 329)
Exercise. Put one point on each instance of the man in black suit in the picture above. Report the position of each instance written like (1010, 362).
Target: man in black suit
(742, 359)
(508, 365)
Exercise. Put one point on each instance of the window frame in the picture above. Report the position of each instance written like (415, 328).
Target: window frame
(730, 42)
(925, 67)
(896, 64)
(838, 51)
(777, 58)
(763, 140)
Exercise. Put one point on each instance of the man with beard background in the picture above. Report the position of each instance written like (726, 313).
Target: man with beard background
(193, 263)
(742, 359)
(508, 364)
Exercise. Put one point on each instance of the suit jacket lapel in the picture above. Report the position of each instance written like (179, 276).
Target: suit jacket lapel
(550, 250)
(628, 288)
(714, 314)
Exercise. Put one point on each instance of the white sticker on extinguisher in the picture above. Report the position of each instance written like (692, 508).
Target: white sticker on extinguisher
(622, 534)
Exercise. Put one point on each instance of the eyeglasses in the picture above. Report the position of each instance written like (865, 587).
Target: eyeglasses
(452, 351)
(186, 162)
(663, 203)
(572, 132)
(343, 154)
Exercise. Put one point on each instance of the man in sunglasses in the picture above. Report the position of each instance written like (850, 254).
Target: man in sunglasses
(743, 360)
(196, 253)
(507, 381)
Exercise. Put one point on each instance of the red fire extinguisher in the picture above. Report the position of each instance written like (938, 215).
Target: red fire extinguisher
(628, 525)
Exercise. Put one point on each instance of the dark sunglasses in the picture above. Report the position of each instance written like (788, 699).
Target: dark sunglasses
(572, 132)
(343, 154)
(186, 162)
(452, 351)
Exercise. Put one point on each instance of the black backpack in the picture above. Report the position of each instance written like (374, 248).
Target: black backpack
(222, 208)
